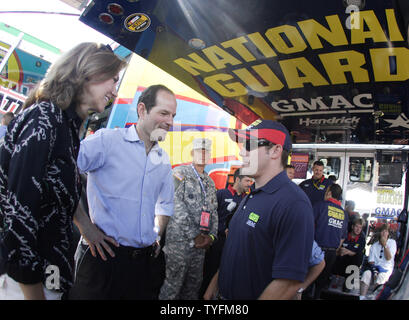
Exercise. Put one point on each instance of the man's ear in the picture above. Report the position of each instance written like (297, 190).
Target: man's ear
(276, 151)
(140, 108)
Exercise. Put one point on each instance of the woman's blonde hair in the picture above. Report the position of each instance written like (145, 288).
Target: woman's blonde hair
(65, 79)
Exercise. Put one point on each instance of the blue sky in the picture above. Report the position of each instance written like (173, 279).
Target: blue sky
(63, 32)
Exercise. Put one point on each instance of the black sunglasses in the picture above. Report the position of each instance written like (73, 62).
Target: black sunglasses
(253, 144)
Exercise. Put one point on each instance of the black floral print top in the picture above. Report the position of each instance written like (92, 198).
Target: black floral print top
(40, 188)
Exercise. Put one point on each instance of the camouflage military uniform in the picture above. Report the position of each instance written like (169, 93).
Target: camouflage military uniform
(184, 262)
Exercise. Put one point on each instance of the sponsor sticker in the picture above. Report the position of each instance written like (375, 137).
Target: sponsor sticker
(253, 218)
(137, 22)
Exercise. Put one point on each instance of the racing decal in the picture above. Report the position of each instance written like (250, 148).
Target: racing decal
(389, 197)
(401, 121)
(10, 101)
(297, 72)
(389, 203)
(337, 104)
(253, 218)
(336, 217)
(137, 22)
(335, 121)
(387, 213)
(325, 71)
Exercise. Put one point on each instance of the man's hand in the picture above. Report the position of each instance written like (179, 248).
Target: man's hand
(97, 239)
(156, 250)
(203, 241)
(345, 252)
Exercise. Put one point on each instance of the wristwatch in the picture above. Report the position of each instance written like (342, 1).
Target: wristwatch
(300, 290)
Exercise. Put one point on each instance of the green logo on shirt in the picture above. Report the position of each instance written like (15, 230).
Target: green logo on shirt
(254, 217)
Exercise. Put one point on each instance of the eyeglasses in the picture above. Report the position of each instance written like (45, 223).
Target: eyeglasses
(253, 144)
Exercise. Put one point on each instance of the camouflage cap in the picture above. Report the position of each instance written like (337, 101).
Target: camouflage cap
(202, 143)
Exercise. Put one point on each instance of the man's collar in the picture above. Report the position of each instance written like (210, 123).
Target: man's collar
(274, 184)
(320, 180)
(131, 134)
(231, 189)
(350, 237)
(335, 201)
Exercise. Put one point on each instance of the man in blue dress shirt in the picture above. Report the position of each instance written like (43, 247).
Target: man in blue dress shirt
(130, 196)
(5, 120)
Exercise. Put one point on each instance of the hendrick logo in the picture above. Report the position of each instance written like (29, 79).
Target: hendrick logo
(329, 121)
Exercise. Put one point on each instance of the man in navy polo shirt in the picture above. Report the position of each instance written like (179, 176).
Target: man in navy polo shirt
(316, 187)
(330, 231)
(270, 238)
(228, 200)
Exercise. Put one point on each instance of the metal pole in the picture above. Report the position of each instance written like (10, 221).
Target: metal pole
(405, 207)
(10, 51)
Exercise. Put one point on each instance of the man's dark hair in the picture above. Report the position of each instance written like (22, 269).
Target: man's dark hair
(336, 191)
(289, 166)
(284, 158)
(148, 96)
(333, 178)
(238, 175)
(318, 163)
(358, 221)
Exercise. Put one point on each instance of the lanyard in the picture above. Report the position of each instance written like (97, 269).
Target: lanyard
(319, 182)
(200, 181)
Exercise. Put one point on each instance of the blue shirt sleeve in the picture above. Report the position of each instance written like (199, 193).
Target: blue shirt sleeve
(317, 255)
(164, 205)
(92, 151)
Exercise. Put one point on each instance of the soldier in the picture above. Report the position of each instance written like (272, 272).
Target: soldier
(192, 228)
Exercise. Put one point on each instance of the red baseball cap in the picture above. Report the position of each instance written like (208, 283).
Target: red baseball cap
(269, 130)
